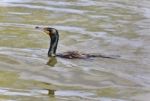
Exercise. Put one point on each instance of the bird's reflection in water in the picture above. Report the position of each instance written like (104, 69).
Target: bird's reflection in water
(52, 61)
(50, 88)
(51, 92)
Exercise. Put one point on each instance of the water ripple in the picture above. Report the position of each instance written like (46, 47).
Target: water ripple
(54, 9)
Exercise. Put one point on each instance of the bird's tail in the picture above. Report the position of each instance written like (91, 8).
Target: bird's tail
(104, 56)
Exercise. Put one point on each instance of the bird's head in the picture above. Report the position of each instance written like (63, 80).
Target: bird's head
(48, 30)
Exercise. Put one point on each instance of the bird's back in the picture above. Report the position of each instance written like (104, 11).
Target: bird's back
(79, 55)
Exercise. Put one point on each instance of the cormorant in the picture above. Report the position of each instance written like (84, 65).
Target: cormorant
(54, 37)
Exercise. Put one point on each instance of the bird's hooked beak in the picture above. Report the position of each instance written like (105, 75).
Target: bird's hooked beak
(43, 29)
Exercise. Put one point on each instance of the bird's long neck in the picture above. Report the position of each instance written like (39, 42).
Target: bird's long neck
(53, 44)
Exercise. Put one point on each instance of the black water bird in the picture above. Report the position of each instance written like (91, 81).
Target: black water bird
(54, 37)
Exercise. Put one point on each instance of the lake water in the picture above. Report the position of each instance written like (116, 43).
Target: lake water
(111, 27)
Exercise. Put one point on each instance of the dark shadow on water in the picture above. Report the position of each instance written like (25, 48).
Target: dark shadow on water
(52, 61)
